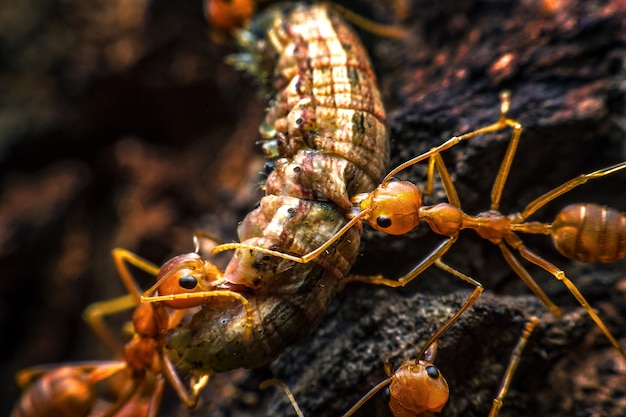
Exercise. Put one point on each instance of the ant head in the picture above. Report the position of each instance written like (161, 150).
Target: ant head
(394, 207)
(417, 388)
(184, 274)
(228, 15)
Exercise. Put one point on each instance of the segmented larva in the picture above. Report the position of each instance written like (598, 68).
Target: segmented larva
(326, 128)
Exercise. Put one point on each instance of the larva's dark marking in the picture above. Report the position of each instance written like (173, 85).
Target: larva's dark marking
(326, 128)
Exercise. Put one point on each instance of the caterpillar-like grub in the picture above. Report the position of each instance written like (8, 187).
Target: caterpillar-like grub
(326, 129)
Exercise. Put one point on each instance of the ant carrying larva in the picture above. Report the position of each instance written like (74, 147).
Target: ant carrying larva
(584, 232)
(70, 390)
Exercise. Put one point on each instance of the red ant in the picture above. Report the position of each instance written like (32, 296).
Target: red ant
(584, 232)
(70, 390)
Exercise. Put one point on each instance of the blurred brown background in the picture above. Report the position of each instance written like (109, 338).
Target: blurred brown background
(121, 126)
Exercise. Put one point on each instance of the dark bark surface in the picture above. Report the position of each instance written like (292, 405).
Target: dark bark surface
(121, 126)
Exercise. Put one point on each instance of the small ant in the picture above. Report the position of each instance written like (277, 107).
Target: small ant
(418, 389)
(584, 232)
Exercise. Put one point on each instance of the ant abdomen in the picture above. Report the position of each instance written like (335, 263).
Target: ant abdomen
(590, 233)
(62, 392)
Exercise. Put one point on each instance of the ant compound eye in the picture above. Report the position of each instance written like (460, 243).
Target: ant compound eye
(432, 371)
(383, 221)
(387, 393)
(188, 282)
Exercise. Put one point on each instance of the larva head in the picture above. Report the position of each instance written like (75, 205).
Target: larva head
(417, 388)
(228, 15)
(394, 207)
(185, 274)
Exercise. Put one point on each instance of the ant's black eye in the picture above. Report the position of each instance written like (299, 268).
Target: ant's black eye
(387, 393)
(188, 282)
(432, 371)
(383, 221)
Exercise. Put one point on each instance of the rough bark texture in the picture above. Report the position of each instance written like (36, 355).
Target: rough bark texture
(122, 126)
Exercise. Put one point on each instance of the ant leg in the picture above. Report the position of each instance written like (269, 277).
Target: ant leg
(435, 157)
(528, 280)
(26, 377)
(386, 31)
(95, 312)
(105, 370)
(505, 166)
(157, 395)
(123, 398)
(269, 382)
(188, 397)
(535, 205)
(300, 259)
(430, 177)
(121, 257)
(516, 243)
(437, 161)
(516, 356)
(502, 123)
(478, 289)
(367, 396)
(94, 317)
(176, 316)
(432, 258)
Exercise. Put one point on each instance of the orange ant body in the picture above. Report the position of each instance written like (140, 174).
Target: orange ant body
(70, 390)
(584, 232)
(416, 388)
